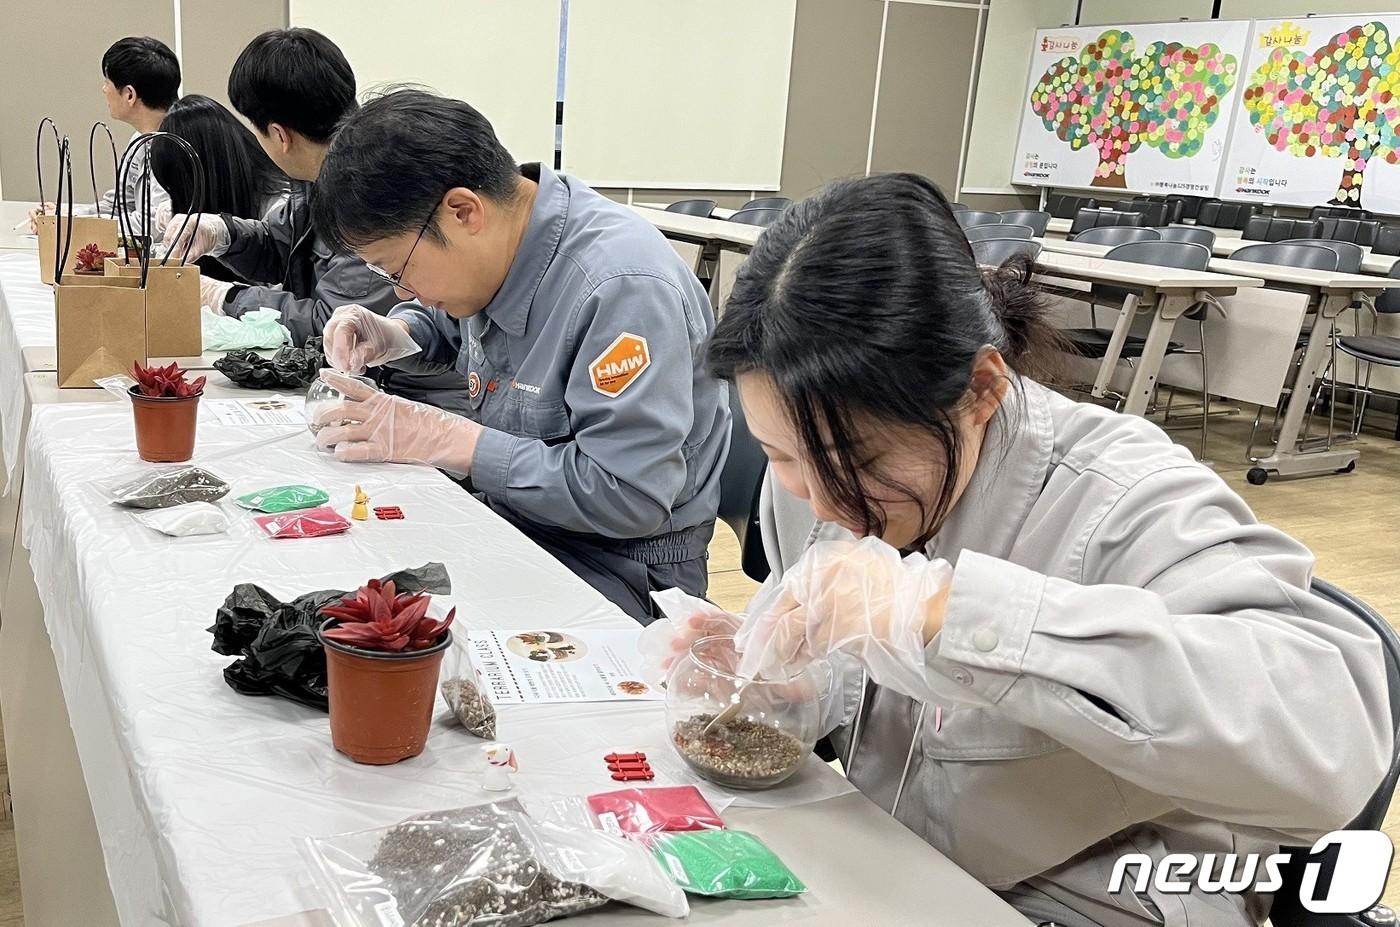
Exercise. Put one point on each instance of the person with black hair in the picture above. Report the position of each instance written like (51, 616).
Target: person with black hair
(239, 178)
(140, 82)
(594, 426)
(295, 86)
(1055, 637)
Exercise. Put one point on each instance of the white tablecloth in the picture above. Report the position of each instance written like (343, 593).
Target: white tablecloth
(199, 792)
(26, 321)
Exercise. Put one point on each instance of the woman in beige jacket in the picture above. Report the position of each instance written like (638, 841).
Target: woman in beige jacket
(1058, 638)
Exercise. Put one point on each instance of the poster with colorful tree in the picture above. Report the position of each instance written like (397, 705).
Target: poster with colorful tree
(1143, 108)
(1319, 118)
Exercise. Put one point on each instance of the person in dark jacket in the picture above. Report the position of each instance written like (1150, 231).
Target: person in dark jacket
(294, 86)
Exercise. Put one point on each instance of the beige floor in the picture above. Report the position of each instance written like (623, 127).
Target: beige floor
(1352, 523)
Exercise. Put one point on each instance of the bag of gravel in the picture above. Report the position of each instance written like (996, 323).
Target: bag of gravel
(479, 865)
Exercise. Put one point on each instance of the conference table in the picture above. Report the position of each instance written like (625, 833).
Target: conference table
(1371, 263)
(734, 236)
(1168, 291)
(1331, 292)
(719, 212)
(148, 791)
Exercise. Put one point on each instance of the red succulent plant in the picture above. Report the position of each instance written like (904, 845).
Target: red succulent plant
(91, 257)
(166, 382)
(378, 618)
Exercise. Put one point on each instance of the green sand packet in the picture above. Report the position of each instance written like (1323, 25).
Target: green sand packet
(276, 499)
(724, 864)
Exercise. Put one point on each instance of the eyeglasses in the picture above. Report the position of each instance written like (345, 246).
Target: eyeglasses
(396, 280)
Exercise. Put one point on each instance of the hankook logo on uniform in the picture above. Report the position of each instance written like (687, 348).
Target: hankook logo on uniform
(1358, 878)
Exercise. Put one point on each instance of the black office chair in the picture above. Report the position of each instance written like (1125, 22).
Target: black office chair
(1190, 205)
(970, 218)
(1093, 342)
(1387, 240)
(992, 252)
(1095, 218)
(768, 202)
(1277, 228)
(1371, 349)
(760, 216)
(1037, 220)
(1155, 210)
(739, 485)
(701, 208)
(1287, 911)
(1349, 256)
(1289, 254)
(1358, 231)
(1221, 215)
(1116, 235)
(983, 232)
(1191, 233)
(1337, 212)
(1067, 206)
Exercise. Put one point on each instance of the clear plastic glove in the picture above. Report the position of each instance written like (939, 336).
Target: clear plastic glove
(161, 221)
(48, 209)
(208, 237)
(685, 620)
(212, 294)
(855, 597)
(356, 338)
(371, 425)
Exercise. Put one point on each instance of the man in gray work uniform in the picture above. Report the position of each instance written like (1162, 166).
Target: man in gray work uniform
(594, 424)
(294, 85)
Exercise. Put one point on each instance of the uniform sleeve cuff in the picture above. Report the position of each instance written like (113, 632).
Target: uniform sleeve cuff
(991, 613)
(420, 327)
(491, 462)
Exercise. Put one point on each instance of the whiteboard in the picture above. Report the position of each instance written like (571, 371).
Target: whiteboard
(1319, 114)
(677, 94)
(1142, 108)
(501, 57)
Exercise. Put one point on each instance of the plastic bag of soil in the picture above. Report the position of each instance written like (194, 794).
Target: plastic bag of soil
(485, 864)
(280, 652)
(163, 487)
(289, 368)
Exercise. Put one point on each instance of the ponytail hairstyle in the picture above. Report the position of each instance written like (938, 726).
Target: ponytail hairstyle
(865, 300)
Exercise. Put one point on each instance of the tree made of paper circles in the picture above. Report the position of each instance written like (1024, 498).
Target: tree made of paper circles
(1337, 101)
(1115, 100)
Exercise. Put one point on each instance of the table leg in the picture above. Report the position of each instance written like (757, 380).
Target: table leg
(1115, 346)
(1167, 310)
(1289, 459)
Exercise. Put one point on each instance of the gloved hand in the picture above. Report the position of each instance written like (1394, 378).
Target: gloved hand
(857, 597)
(356, 338)
(685, 620)
(34, 214)
(208, 237)
(389, 428)
(212, 293)
(161, 222)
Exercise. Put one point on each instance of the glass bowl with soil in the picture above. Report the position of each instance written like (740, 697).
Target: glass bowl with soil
(738, 733)
(322, 395)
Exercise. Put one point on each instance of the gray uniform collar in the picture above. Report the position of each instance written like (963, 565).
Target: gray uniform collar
(1009, 478)
(509, 309)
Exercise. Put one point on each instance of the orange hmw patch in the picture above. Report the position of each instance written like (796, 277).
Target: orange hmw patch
(622, 363)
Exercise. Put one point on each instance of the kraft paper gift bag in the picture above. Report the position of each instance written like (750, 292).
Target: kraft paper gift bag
(173, 327)
(100, 324)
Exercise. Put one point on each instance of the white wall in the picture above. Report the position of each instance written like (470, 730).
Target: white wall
(1097, 12)
(1006, 55)
(1273, 9)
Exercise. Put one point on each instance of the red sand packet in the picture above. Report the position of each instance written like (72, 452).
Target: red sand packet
(306, 523)
(647, 811)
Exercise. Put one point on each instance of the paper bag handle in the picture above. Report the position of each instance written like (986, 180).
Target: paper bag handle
(39, 156)
(92, 165)
(63, 244)
(196, 207)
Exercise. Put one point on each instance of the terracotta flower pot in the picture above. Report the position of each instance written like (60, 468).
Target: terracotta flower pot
(381, 703)
(165, 426)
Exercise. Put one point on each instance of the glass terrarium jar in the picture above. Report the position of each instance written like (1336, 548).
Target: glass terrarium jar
(320, 395)
(739, 733)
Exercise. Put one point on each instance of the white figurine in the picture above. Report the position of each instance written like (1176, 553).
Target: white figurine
(500, 764)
